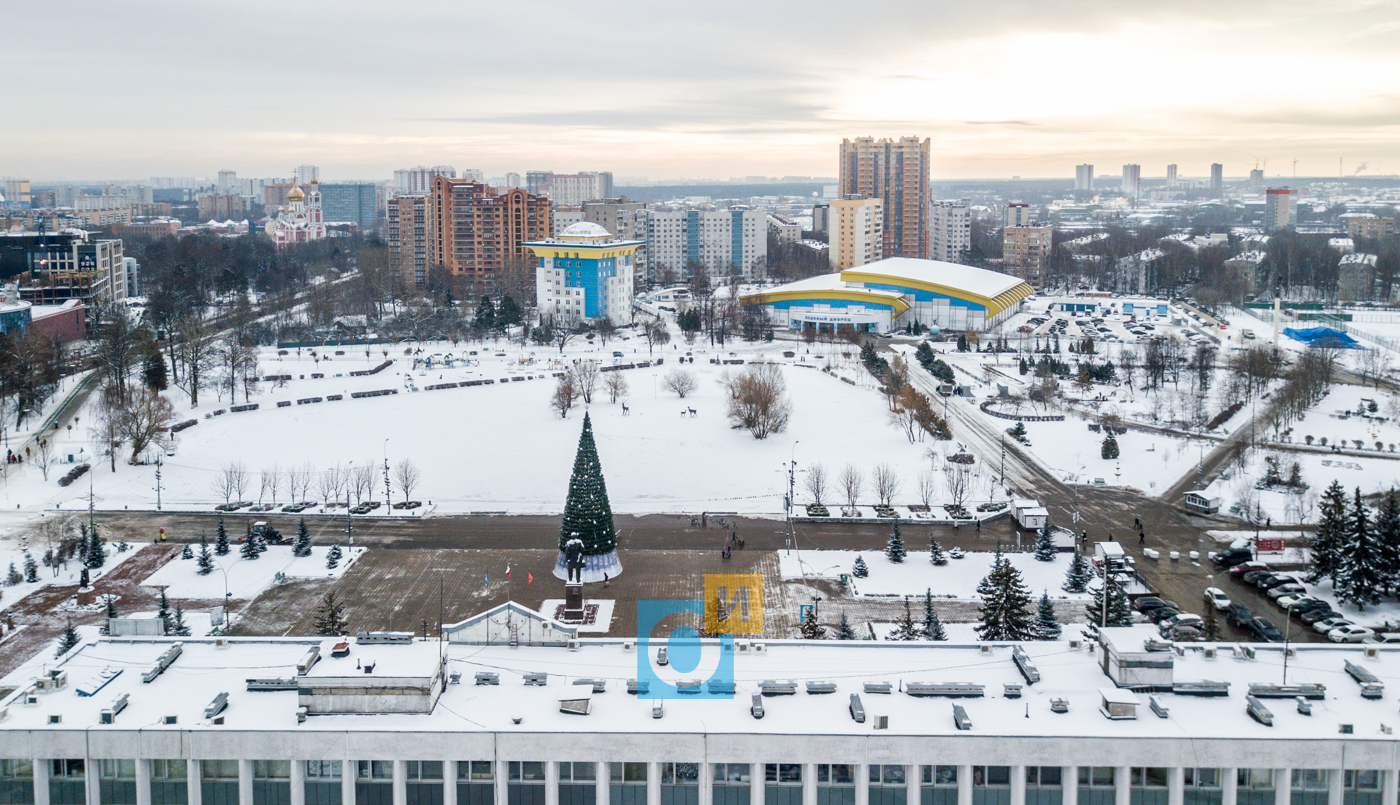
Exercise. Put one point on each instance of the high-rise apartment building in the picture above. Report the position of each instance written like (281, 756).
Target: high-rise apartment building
(512, 180)
(1280, 208)
(474, 233)
(585, 274)
(571, 189)
(1084, 177)
(351, 203)
(1026, 252)
(1256, 181)
(626, 220)
(1132, 180)
(950, 231)
(566, 216)
(17, 191)
(1217, 180)
(857, 232)
(1171, 174)
(228, 182)
(1017, 213)
(407, 229)
(221, 207)
(895, 172)
(821, 218)
(1368, 225)
(420, 179)
(723, 243)
(306, 173)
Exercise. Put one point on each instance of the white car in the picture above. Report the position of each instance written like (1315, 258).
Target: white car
(1184, 619)
(1291, 588)
(1290, 601)
(1386, 638)
(1216, 597)
(1325, 626)
(1350, 634)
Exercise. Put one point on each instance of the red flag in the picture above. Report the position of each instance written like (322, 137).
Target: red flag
(530, 579)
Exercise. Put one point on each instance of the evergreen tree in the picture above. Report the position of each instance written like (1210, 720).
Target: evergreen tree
(302, 546)
(111, 608)
(932, 626)
(485, 315)
(1077, 577)
(164, 612)
(333, 557)
(1017, 431)
(1328, 543)
(31, 568)
(330, 617)
(962, 343)
(82, 549)
(206, 559)
(1006, 603)
(587, 512)
(68, 640)
(811, 630)
(1388, 538)
(1362, 574)
(153, 369)
(859, 570)
(1210, 625)
(508, 312)
(187, 552)
(1110, 447)
(15, 577)
(904, 628)
(1047, 626)
(894, 549)
(178, 627)
(96, 551)
(221, 539)
(1045, 546)
(843, 628)
(936, 556)
(1118, 612)
(249, 548)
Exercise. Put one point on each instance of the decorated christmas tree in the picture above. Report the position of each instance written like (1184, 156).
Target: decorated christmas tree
(588, 514)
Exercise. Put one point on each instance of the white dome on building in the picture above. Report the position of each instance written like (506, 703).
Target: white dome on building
(585, 229)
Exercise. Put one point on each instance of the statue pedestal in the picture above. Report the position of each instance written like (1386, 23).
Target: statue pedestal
(573, 601)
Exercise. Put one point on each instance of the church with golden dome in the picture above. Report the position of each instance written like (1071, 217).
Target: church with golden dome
(300, 221)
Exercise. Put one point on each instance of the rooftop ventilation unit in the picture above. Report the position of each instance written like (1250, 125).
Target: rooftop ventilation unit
(56, 718)
(1209, 652)
(985, 648)
(1304, 706)
(170, 720)
(289, 683)
(1118, 704)
(308, 659)
(1152, 644)
(1258, 711)
(384, 638)
(960, 719)
(857, 709)
(31, 695)
(1243, 652)
(689, 687)
(573, 645)
(1371, 685)
(1204, 688)
(629, 645)
(756, 706)
(1059, 705)
(109, 715)
(1157, 707)
(575, 707)
(1025, 666)
(638, 688)
(163, 662)
(454, 678)
(720, 687)
(1345, 729)
(951, 690)
(488, 678)
(814, 687)
(98, 682)
(657, 710)
(1011, 691)
(599, 685)
(217, 706)
(773, 687)
(537, 678)
(1372, 653)
(760, 647)
(882, 722)
(301, 714)
(878, 687)
(1075, 643)
(1307, 691)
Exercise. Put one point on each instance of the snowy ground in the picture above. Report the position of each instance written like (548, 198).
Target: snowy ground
(12, 553)
(246, 578)
(957, 579)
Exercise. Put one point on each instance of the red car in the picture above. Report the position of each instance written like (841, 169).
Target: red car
(1245, 567)
(1025, 328)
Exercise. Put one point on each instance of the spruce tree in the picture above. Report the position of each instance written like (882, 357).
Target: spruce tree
(111, 606)
(1006, 602)
(333, 557)
(330, 617)
(858, 569)
(587, 512)
(14, 577)
(894, 549)
(187, 552)
(1047, 626)
(96, 552)
(1110, 447)
(811, 630)
(31, 568)
(1328, 543)
(302, 547)
(249, 548)
(1077, 577)
(68, 640)
(936, 556)
(1388, 539)
(221, 539)
(932, 627)
(1119, 614)
(843, 628)
(1361, 575)
(153, 369)
(904, 628)
(206, 559)
(178, 627)
(164, 612)
(1045, 546)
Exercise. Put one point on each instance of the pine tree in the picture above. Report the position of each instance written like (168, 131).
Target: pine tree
(843, 628)
(1006, 602)
(153, 369)
(187, 552)
(221, 539)
(206, 559)
(587, 512)
(178, 627)
(1077, 577)
(68, 640)
(111, 608)
(333, 557)
(1118, 612)
(330, 617)
(936, 556)
(1110, 447)
(1047, 626)
(932, 627)
(249, 548)
(811, 630)
(1210, 625)
(1327, 544)
(14, 577)
(1388, 536)
(1361, 575)
(859, 570)
(904, 628)
(1045, 546)
(894, 549)
(302, 547)
(31, 568)
(96, 552)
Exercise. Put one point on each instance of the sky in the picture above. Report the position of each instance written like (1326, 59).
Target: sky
(140, 88)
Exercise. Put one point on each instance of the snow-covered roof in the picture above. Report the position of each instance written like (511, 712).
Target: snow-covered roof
(1358, 259)
(974, 280)
(585, 229)
(1249, 257)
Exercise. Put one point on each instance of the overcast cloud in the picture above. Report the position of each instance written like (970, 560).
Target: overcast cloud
(135, 88)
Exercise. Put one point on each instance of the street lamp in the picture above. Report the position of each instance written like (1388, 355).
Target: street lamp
(792, 471)
(349, 537)
(387, 502)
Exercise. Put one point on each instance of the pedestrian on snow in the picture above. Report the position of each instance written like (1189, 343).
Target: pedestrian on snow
(1142, 537)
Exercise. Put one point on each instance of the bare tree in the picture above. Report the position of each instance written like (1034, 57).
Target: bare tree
(45, 456)
(957, 479)
(268, 482)
(616, 386)
(194, 349)
(656, 334)
(565, 394)
(928, 487)
(223, 483)
(342, 484)
(240, 479)
(586, 379)
(106, 423)
(146, 416)
(886, 483)
(327, 482)
(407, 475)
(681, 382)
(1374, 363)
(363, 481)
(851, 483)
(758, 400)
(815, 482)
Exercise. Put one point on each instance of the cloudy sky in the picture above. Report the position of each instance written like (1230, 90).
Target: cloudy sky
(136, 88)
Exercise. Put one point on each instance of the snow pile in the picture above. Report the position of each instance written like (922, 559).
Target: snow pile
(957, 579)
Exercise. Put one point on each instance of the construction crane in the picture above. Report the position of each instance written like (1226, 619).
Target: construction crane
(1257, 160)
(1295, 168)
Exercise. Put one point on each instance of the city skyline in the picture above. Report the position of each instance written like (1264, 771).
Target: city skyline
(1001, 89)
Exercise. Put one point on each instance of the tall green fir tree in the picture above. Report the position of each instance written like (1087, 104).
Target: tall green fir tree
(936, 556)
(1119, 612)
(1078, 575)
(1210, 625)
(97, 549)
(302, 546)
(205, 559)
(31, 568)
(1362, 575)
(811, 630)
(153, 368)
(110, 606)
(221, 547)
(249, 547)
(1109, 448)
(1006, 603)
(1329, 541)
(68, 640)
(905, 628)
(1045, 546)
(843, 628)
(894, 548)
(333, 557)
(178, 627)
(587, 512)
(932, 627)
(186, 552)
(1047, 626)
(1388, 539)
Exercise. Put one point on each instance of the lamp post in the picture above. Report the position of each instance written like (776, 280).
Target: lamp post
(792, 473)
(349, 537)
(387, 502)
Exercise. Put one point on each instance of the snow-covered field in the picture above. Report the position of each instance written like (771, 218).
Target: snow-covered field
(957, 579)
(246, 578)
(11, 553)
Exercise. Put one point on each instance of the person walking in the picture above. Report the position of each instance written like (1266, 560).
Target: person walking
(1142, 537)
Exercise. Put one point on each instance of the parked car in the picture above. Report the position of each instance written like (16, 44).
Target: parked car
(1350, 634)
(1181, 619)
(1246, 567)
(1183, 633)
(1273, 581)
(1233, 556)
(1386, 638)
(1239, 615)
(1254, 575)
(1151, 602)
(1265, 631)
(1286, 589)
(1216, 597)
(1161, 613)
(1294, 602)
(1328, 624)
(1312, 605)
(1322, 613)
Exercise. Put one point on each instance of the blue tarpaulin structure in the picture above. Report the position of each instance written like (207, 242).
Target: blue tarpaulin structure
(1322, 337)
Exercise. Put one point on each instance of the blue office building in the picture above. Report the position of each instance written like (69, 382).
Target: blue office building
(350, 203)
